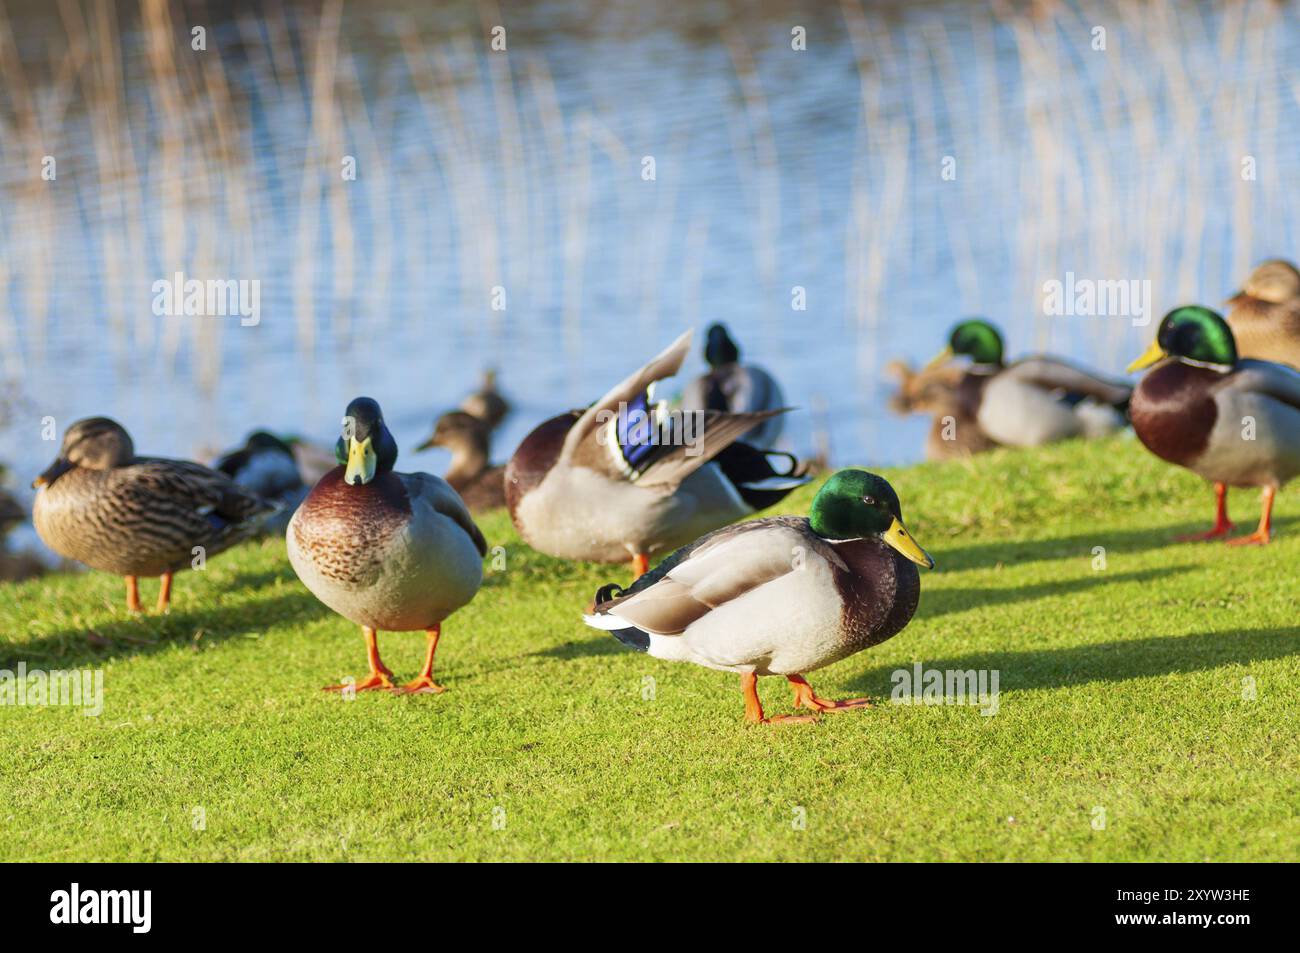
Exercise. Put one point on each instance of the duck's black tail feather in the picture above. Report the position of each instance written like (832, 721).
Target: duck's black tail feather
(758, 481)
(620, 629)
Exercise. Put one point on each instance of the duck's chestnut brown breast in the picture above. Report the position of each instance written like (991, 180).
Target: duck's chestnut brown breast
(1173, 411)
(535, 457)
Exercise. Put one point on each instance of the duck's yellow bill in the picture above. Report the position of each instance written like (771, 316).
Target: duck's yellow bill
(361, 462)
(943, 357)
(1154, 353)
(898, 537)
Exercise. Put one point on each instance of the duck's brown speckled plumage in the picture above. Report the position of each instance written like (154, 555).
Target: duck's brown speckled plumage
(346, 530)
(146, 517)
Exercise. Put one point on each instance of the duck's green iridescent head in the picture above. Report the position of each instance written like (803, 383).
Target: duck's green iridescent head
(1191, 333)
(974, 338)
(854, 504)
(365, 447)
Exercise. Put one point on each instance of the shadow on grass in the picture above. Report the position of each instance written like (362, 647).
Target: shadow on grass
(122, 636)
(598, 644)
(1079, 546)
(936, 602)
(253, 581)
(1116, 661)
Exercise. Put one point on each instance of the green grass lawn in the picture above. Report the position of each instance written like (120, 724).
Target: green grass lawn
(1124, 690)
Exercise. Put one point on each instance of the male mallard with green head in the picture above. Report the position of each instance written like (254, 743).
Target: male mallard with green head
(1265, 315)
(1233, 421)
(779, 596)
(1033, 401)
(134, 516)
(735, 387)
(626, 478)
(385, 550)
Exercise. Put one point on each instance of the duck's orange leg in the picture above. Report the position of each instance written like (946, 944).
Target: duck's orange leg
(165, 592)
(754, 707)
(424, 684)
(1222, 525)
(640, 565)
(132, 594)
(805, 697)
(1262, 535)
(380, 676)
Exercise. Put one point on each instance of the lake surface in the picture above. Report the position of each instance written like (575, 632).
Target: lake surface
(521, 177)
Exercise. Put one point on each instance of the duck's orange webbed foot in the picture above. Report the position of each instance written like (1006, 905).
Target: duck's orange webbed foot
(1222, 525)
(805, 697)
(381, 676)
(132, 594)
(165, 593)
(1264, 533)
(640, 565)
(754, 708)
(376, 680)
(1257, 538)
(424, 683)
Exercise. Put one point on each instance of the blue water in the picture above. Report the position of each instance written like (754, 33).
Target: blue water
(1121, 163)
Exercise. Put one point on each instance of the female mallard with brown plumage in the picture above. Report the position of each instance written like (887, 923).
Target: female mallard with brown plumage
(1233, 421)
(625, 478)
(1265, 315)
(100, 504)
(954, 431)
(385, 550)
(479, 483)
(779, 596)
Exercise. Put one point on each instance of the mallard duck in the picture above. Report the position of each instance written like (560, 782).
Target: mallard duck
(954, 433)
(134, 516)
(779, 596)
(486, 403)
(480, 485)
(385, 550)
(735, 387)
(266, 465)
(627, 478)
(1233, 421)
(1265, 314)
(1033, 401)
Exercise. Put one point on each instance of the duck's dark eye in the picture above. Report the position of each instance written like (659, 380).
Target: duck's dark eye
(869, 500)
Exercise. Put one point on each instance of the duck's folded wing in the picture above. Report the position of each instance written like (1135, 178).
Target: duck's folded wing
(196, 488)
(439, 494)
(665, 365)
(1053, 374)
(722, 566)
(1266, 377)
